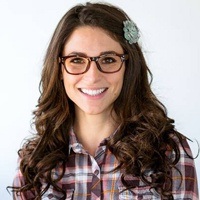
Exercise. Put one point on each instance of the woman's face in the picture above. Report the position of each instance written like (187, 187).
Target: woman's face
(93, 92)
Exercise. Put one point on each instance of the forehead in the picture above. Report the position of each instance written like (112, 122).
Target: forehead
(91, 41)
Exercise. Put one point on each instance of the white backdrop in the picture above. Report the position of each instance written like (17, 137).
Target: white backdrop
(170, 39)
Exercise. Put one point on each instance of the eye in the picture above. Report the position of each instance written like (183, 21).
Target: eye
(77, 60)
(108, 60)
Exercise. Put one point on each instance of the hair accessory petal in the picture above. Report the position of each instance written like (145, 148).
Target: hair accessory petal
(131, 31)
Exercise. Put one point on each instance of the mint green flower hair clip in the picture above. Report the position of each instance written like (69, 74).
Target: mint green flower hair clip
(131, 31)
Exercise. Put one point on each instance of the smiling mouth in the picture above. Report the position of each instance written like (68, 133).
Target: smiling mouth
(93, 92)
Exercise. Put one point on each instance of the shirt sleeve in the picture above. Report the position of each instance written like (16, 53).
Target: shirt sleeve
(187, 187)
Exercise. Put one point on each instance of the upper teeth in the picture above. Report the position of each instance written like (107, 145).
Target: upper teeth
(93, 92)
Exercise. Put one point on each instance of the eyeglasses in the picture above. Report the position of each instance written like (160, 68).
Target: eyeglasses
(107, 63)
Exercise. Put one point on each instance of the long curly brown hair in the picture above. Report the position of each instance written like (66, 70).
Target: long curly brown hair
(145, 132)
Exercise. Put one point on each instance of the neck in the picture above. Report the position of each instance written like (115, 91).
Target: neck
(92, 129)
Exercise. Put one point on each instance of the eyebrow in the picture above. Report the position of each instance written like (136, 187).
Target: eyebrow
(85, 55)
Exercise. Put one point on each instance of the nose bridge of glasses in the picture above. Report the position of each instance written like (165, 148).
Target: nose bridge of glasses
(95, 59)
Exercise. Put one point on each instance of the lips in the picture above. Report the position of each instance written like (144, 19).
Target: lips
(92, 92)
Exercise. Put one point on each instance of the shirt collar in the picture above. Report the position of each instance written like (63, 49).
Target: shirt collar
(73, 143)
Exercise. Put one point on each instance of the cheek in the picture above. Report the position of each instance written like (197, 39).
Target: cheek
(67, 83)
(118, 85)
(121, 83)
(70, 84)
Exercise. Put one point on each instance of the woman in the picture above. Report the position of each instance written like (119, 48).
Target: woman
(101, 132)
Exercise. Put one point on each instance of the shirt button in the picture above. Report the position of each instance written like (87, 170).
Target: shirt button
(96, 172)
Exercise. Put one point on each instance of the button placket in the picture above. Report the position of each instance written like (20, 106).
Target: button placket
(95, 167)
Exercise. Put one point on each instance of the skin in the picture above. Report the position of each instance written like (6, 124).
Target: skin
(93, 120)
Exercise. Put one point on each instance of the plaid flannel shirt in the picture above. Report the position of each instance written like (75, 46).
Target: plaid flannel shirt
(87, 178)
